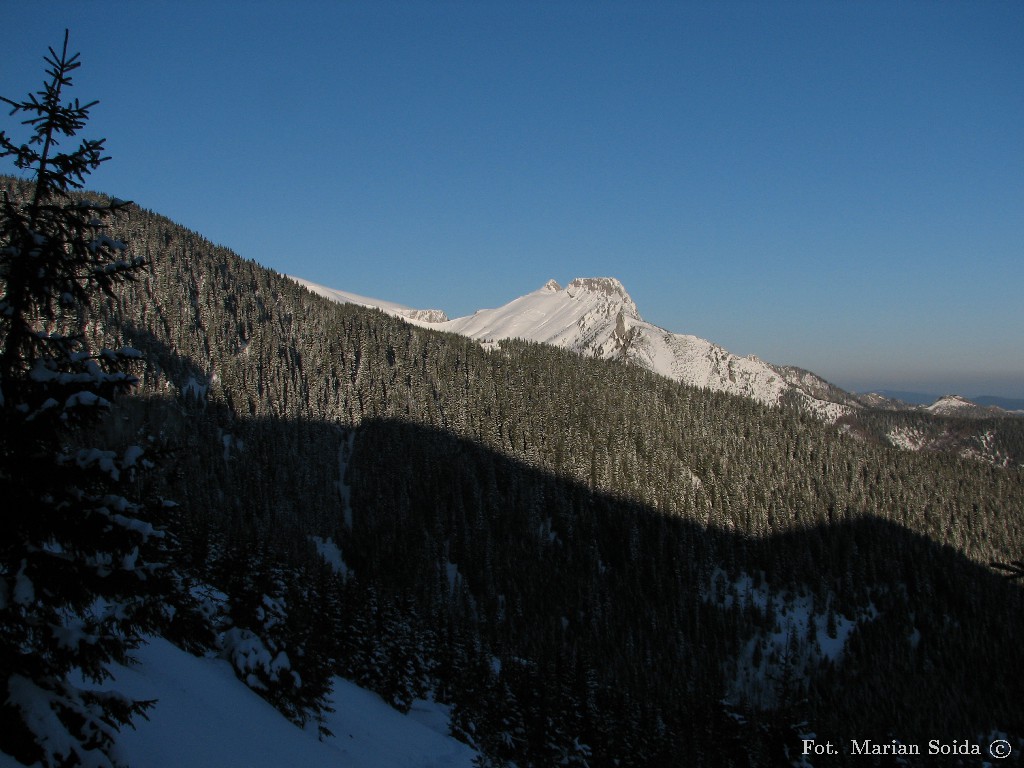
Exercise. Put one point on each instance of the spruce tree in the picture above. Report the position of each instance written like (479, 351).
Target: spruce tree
(79, 553)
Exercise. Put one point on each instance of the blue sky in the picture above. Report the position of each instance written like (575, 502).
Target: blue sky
(838, 186)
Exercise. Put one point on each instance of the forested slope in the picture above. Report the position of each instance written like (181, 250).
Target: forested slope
(592, 563)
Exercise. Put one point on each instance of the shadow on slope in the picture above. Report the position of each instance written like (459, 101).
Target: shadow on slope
(549, 566)
(863, 628)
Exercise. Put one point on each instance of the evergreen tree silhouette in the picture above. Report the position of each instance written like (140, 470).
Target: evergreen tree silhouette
(79, 552)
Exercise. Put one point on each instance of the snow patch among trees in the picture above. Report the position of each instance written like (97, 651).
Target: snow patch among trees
(204, 716)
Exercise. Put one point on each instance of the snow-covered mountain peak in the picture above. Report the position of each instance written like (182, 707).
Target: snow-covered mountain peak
(580, 316)
(951, 403)
(596, 317)
(955, 405)
(607, 296)
(609, 286)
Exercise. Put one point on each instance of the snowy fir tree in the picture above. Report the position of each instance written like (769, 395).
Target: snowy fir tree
(279, 631)
(79, 552)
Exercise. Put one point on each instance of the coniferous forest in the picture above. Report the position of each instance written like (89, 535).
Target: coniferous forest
(591, 564)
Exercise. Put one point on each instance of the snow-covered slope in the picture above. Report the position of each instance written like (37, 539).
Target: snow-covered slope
(954, 405)
(344, 297)
(589, 316)
(596, 317)
(204, 716)
(604, 322)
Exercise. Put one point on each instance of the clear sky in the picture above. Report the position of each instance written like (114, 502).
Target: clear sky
(834, 185)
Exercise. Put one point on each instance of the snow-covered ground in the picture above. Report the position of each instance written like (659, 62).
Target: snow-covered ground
(798, 639)
(392, 308)
(205, 717)
(954, 405)
(907, 438)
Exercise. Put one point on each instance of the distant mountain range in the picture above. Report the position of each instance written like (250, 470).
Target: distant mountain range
(596, 317)
(925, 398)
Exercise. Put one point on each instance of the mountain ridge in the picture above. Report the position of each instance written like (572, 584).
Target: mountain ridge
(925, 399)
(487, 478)
(596, 317)
(576, 519)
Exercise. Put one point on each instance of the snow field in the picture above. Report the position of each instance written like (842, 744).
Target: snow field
(204, 716)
